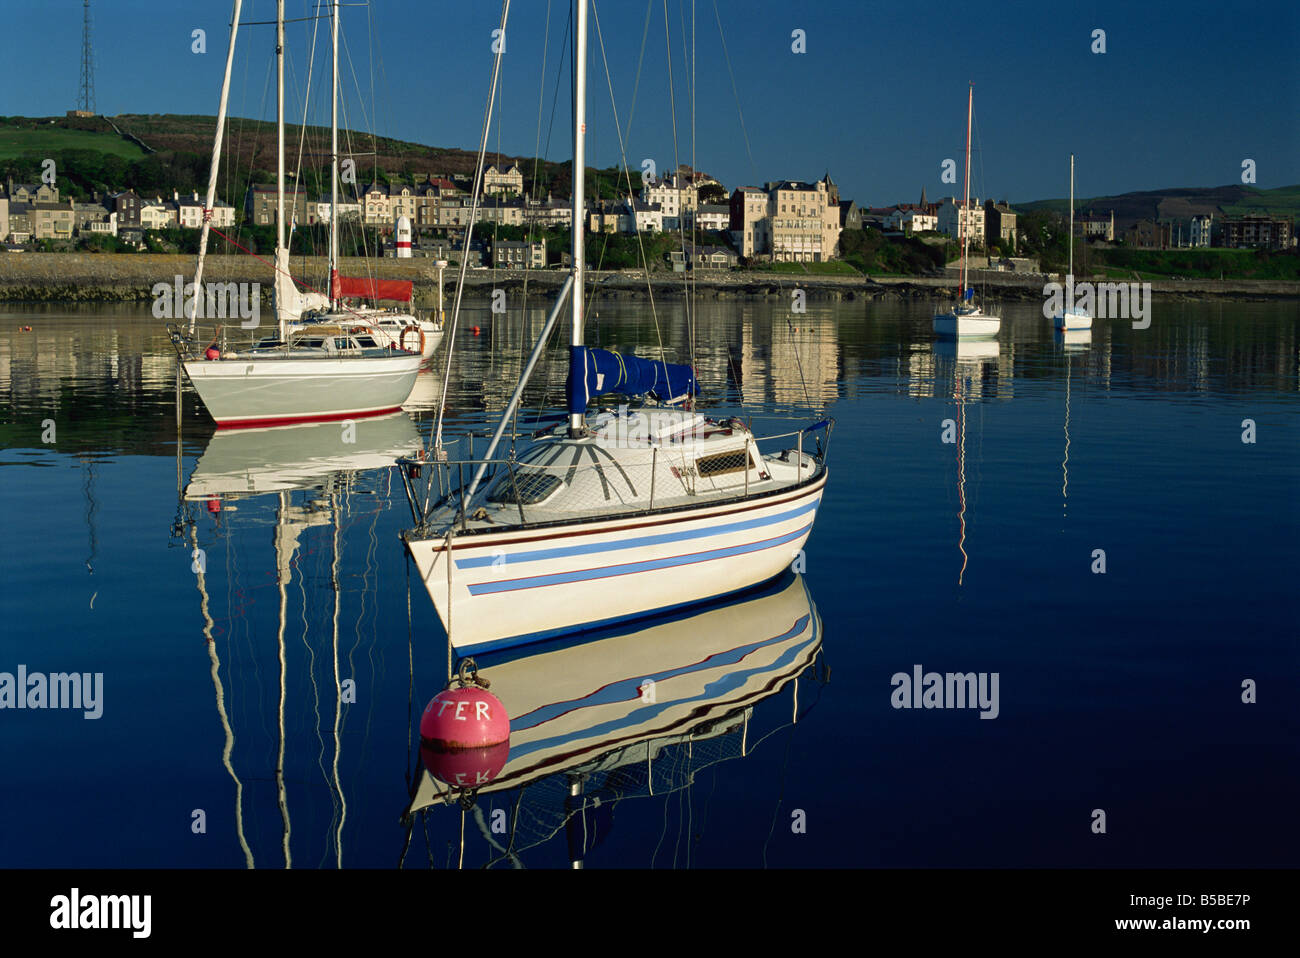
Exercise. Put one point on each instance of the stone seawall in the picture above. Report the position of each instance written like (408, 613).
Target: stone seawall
(105, 277)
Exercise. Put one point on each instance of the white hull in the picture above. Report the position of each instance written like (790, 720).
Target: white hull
(967, 326)
(265, 391)
(1072, 319)
(519, 585)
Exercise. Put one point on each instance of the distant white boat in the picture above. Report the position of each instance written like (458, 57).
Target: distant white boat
(965, 320)
(1071, 316)
(332, 372)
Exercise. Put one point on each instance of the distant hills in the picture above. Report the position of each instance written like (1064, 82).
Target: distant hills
(1181, 203)
(251, 144)
(249, 149)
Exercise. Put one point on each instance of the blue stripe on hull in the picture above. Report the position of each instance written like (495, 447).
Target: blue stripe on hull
(561, 552)
(628, 689)
(629, 568)
(573, 634)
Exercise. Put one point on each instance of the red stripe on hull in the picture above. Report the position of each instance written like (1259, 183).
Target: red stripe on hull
(291, 420)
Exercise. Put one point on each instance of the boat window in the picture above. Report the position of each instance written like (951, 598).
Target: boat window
(310, 343)
(525, 488)
(342, 342)
(723, 463)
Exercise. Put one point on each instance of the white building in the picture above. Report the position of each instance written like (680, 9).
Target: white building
(911, 221)
(1201, 230)
(713, 217)
(956, 222)
(497, 181)
(677, 198)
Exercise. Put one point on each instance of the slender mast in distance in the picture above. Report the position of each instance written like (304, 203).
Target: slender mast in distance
(280, 250)
(1071, 273)
(577, 421)
(965, 202)
(334, 149)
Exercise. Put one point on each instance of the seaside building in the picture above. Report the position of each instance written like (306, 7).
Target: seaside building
(509, 254)
(498, 181)
(959, 223)
(1258, 232)
(1149, 234)
(1092, 226)
(260, 205)
(999, 223)
(1200, 231)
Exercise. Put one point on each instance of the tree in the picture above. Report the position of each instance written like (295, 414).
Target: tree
(713, 193)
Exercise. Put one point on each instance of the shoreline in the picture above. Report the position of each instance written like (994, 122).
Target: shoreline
(125, 278)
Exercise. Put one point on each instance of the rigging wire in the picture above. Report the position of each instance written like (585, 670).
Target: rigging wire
(469, 228)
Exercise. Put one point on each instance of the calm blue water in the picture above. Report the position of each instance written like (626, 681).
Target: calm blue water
(1119, 691)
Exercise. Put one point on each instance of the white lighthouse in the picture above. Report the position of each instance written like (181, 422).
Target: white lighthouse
(403, 237)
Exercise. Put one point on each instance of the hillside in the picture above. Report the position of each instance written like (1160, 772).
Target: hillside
(1181, 203)
(181, 145)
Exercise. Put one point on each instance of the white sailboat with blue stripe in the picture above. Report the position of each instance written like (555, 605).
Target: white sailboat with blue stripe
(624, 514)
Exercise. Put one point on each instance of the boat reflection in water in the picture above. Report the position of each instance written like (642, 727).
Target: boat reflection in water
(258, 461)
(328, 462)
(633, 713)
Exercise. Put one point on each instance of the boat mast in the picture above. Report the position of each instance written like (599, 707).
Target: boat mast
(281, 254)
(965, 202)
(334, 149)
(216, 162)
(577, 420)
(1070, 274)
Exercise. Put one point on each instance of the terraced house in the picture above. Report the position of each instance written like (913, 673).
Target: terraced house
(54, 221)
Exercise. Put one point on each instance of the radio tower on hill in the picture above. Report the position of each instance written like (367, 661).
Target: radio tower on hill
(86, 97)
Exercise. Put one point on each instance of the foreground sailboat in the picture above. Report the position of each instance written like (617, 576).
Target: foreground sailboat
(964, 319)
(625, 515)
(1071, 316)
(327, 372)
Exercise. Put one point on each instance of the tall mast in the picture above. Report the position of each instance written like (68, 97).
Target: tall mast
(1070, 274)
(280, 250)
(216, 162)
(334, 148)
(576, 420)
(965, 202)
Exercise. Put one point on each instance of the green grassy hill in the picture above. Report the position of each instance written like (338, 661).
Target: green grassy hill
(176, 151)
(17, 139)
(1180, 203)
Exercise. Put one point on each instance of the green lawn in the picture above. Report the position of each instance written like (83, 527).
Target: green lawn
(15, 142)
(832, 267)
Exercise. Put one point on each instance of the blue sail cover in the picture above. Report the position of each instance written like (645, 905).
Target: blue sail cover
(593, 372)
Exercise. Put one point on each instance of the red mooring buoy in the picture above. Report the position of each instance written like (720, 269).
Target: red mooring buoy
(474, 330)
(465, 732)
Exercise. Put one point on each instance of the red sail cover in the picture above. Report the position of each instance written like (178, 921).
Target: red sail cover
(344, 287)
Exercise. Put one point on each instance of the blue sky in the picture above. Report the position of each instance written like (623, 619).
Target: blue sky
(1183, 93)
